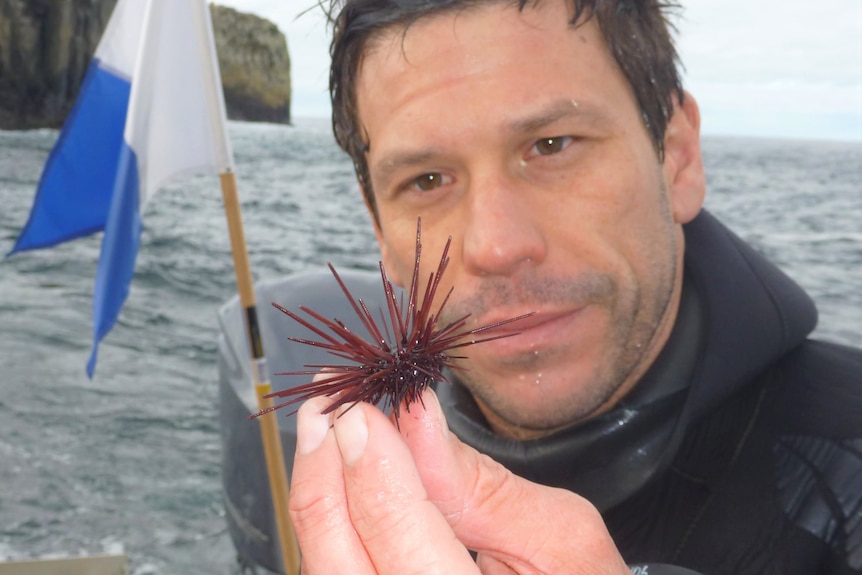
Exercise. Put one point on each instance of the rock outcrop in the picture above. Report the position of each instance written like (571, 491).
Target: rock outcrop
(46, 47)
(254, 64)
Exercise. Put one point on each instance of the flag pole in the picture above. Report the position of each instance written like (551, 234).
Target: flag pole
(268, 423)
(270, 436)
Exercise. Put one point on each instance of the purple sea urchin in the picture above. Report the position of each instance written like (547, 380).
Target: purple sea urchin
(402, 360)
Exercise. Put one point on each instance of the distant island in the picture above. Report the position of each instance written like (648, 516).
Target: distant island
(46, 47)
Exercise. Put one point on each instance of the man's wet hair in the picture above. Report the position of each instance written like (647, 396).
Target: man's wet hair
(637, 32)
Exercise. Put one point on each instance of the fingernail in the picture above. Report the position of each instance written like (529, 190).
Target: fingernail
(311, 427)
(351, 431)
(435, 411)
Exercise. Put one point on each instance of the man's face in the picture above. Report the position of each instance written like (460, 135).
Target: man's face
(519, 137)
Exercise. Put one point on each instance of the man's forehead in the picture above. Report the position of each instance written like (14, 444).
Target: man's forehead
(533, 65)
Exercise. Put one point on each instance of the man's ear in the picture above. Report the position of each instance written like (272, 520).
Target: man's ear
(683, 163)
(391, 269)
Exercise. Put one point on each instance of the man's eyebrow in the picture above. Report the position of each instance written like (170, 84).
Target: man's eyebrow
(400, 159)
(556, 111)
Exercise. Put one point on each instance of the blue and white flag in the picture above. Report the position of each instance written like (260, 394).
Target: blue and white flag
(151, 108)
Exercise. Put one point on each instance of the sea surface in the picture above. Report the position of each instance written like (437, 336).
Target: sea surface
(129, 461)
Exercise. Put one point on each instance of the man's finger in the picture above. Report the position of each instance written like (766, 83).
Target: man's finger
(403, 533)
(512, 522)
(318, 503)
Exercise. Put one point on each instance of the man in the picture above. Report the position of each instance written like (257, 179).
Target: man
(662, 411)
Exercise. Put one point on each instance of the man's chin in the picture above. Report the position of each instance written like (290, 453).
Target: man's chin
(538, 412)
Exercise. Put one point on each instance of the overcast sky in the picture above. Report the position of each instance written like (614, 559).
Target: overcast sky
(769, 68)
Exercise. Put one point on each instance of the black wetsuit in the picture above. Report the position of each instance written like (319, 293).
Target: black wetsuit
(739, 452)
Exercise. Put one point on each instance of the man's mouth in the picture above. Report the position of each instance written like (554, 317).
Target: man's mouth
(541, 330)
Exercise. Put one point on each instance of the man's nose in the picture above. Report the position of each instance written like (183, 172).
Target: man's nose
(503, 228)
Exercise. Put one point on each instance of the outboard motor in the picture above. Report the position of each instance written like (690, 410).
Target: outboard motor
(247, 498)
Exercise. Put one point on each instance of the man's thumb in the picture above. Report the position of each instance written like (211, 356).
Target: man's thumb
(527, 526)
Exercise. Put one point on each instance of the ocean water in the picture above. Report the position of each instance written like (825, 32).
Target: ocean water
(129, 461)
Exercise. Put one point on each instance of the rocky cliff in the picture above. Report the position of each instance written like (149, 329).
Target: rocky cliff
(46, 46)
(254, 64)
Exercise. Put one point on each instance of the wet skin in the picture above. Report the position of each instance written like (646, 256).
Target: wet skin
(524, 142)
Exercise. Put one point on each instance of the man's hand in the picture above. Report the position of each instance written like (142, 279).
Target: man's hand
(367, 500)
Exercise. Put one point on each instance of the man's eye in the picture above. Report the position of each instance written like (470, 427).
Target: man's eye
(550, 146)
(429, 181)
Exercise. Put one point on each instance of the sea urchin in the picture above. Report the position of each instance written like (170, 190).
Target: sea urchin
(401, 361)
